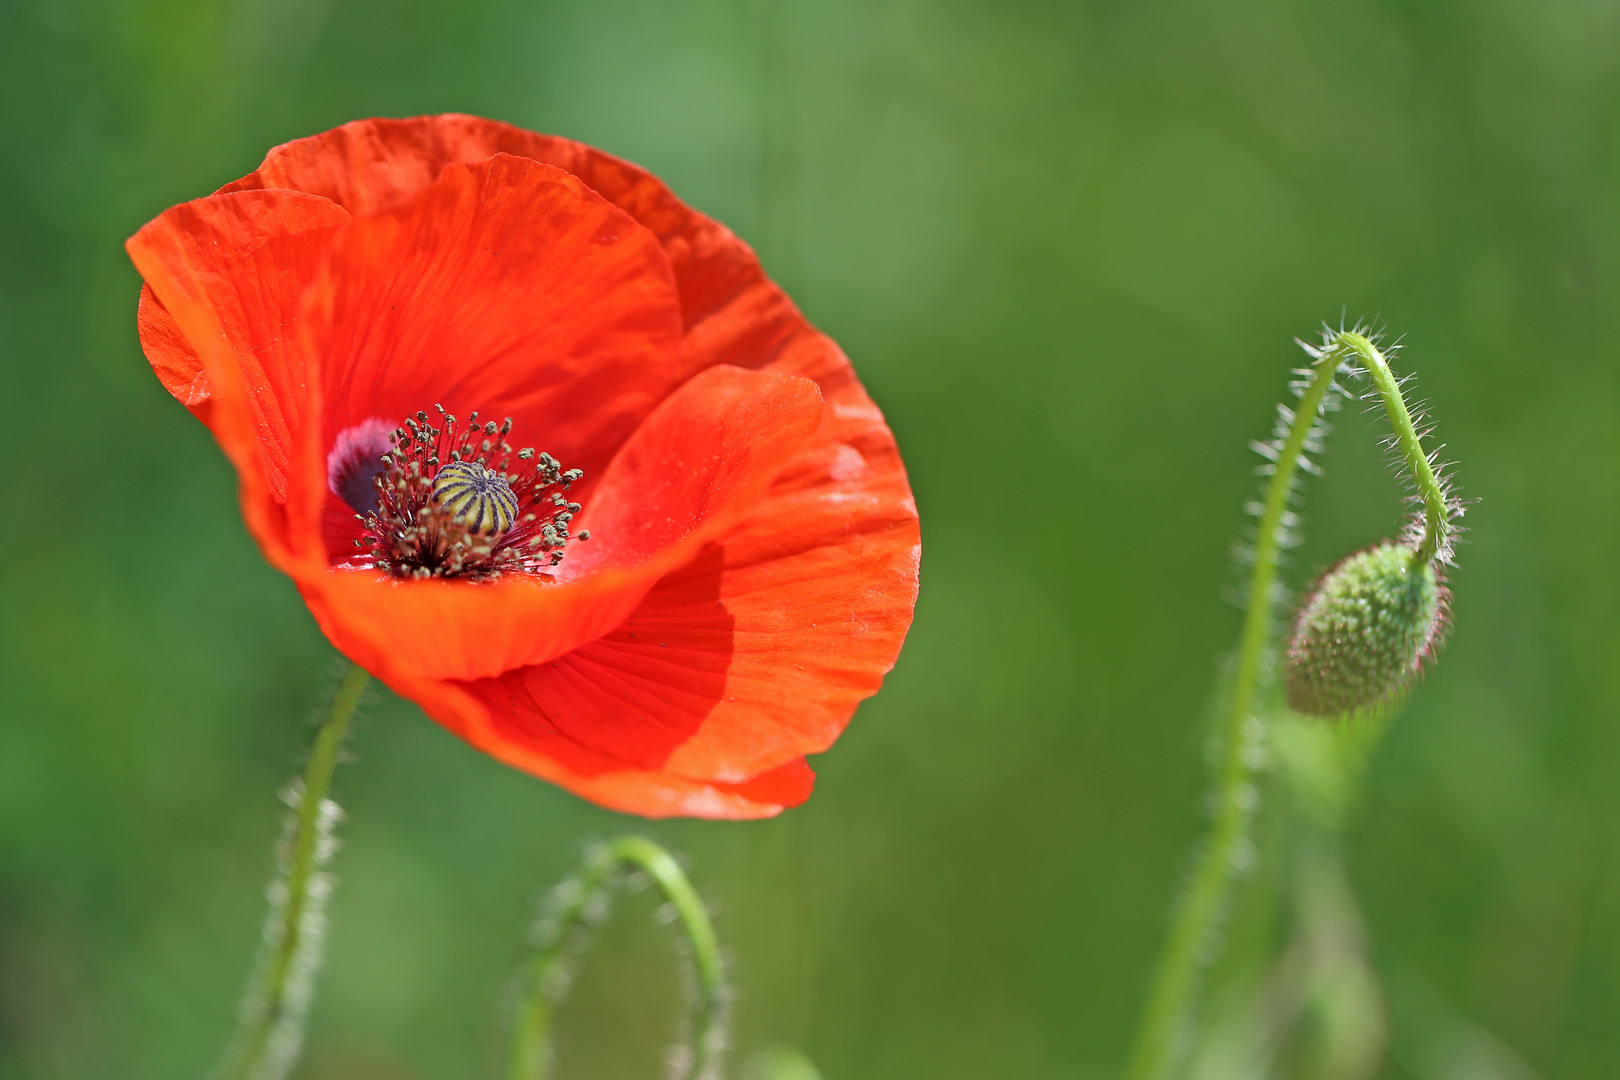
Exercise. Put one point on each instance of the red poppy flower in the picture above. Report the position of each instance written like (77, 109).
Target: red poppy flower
(336, 318)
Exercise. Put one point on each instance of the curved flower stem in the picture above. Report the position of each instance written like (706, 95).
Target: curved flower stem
(1186, 950)
(579, 905)
(271, 1030)
(1436, 514)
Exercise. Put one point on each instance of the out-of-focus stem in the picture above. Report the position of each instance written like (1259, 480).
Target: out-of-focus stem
(580, 904)
(1192, 928)
(271, 1031)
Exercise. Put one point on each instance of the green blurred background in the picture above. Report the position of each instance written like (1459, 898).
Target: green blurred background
(1067, 246)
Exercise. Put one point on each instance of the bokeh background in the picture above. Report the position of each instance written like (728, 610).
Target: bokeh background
(1067, 246)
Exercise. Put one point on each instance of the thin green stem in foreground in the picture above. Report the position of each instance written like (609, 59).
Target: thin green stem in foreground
(271, 1030)
(1193, 926)
(1436, 512)
(577, 907)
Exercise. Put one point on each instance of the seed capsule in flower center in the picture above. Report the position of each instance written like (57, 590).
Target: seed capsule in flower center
(476, 498)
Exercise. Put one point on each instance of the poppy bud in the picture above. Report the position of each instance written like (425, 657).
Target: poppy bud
(1362, 637)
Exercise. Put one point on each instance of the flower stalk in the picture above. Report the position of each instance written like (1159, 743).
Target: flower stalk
(1359, 643)
(1193, 927)
(579, 905)
(271, 1029)
(1438, 510)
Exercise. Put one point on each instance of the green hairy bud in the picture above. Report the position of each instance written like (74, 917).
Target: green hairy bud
(1362, 637)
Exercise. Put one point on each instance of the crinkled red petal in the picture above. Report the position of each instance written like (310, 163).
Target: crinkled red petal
(506, 287)
(370, 165)
(483, 714)
(227, 274)
(173, 360)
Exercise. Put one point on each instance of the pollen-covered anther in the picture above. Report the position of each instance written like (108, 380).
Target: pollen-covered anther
(449, 503)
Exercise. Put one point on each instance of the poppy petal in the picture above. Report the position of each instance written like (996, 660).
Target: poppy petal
(227, 273)
(820, 584)
(710, 448)
(484, 714)
(367, 166)
(759, 650)
(506, 287)
(371, 165)
(727, 433)
(836, 544)
(173, 360)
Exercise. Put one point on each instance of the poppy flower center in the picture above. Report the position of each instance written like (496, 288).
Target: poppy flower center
(443, 500)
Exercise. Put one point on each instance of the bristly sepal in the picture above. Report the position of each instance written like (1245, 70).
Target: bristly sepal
(1363, 637)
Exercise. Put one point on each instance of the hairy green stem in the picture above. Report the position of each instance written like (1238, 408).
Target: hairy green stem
(1187, 948)
(1436, 514)
(271, 1030)
(578, 906)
